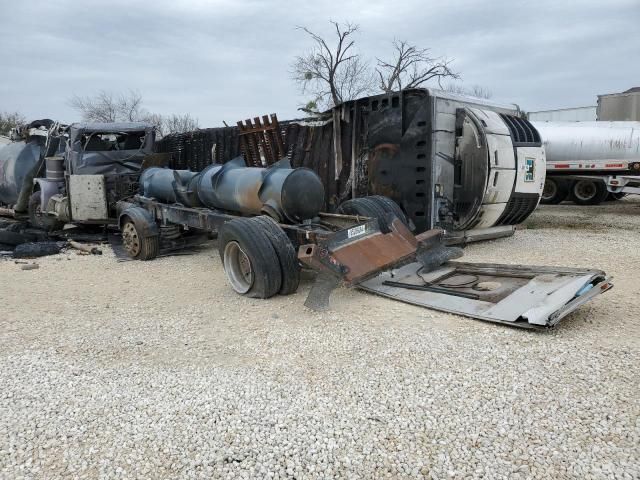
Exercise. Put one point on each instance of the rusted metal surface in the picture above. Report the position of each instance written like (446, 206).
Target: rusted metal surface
(362, 251)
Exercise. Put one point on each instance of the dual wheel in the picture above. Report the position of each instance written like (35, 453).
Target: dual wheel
(258, 257)
(260, 260)
(581, 192)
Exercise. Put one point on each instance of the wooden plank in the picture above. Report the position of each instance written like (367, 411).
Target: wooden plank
(254, 158)
(278, 135)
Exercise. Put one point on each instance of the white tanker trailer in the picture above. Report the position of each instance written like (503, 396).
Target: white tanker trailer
(589, 161)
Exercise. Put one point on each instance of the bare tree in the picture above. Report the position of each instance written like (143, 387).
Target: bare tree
(100, 108)
(411, 67)
(157, 120)
(128, 107)
(106, 107)
(332, 73)
(179, 124)
(474, 90)
(9, 120)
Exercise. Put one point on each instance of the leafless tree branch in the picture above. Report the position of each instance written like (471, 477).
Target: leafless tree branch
(474, 90)
(9, 120)
(411, 67)
(128, 107)
(332, 73)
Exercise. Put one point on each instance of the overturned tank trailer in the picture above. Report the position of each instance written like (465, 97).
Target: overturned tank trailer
(471, 167)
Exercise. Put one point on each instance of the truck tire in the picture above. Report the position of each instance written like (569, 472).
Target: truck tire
(249, 259)
(368, 207)
(392, 207)
(138, 245)
(588, 192)
(286, 253)
(555, 191)
(39, 219)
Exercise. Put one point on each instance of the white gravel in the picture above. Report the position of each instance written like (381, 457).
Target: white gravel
(157, 370)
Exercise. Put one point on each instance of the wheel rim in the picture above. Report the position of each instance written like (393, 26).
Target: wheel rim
(130, 239)
(584, 190)
(550, 190)
(238, 268)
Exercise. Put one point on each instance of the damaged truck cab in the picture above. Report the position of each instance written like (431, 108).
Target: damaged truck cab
(78, 173)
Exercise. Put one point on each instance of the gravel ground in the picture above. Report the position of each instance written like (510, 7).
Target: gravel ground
(157, 370)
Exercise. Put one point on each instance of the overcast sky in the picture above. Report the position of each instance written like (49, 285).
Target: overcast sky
(230, 59)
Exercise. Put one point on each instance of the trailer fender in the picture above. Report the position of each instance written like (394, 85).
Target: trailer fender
(143, 220)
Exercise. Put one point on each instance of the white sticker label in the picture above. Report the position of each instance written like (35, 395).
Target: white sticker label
(355, 231)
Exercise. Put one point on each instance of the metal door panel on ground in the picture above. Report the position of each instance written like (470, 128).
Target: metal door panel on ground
(518, 295)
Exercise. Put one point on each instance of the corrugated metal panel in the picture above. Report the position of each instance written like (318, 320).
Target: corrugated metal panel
(619, 106)
(578, 114)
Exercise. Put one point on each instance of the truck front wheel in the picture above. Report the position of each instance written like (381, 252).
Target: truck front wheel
(41, 220)
(138, 245)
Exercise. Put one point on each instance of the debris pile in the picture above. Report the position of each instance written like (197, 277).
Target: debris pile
(19, 240)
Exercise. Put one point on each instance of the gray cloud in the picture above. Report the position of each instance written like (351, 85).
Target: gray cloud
(228, 60)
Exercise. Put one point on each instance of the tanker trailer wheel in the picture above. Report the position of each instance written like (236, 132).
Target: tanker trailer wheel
(588, 192)
(138, 245)
(371, 207)
(41, 220)
(555, 191)
(249, 259)
(286, 253)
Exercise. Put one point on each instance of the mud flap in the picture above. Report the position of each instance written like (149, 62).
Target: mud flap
(318, 298)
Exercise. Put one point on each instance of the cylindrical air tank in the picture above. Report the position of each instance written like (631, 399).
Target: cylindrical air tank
(284, 193)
